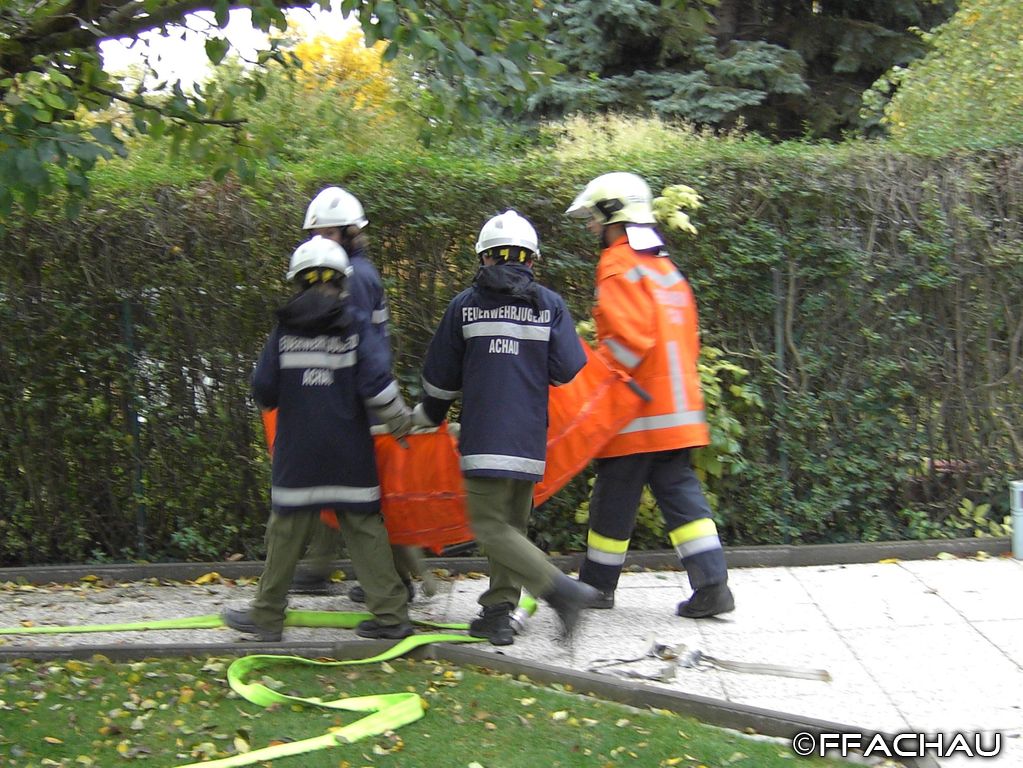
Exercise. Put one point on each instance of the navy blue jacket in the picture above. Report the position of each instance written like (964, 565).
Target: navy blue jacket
(367, 289)
(323, 364)
(500, 345)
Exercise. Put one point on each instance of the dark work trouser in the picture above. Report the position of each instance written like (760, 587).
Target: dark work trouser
(288, 535)
(687, 516)
(499, 510)
(324, 548)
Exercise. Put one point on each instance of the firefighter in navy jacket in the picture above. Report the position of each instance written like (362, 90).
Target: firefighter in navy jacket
(325, 368)
(499, 347)
(337, 215)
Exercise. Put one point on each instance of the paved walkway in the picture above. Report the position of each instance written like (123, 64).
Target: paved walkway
(930, 645)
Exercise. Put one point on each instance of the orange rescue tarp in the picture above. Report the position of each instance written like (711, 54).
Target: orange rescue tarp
(422, 494)
(583, 416)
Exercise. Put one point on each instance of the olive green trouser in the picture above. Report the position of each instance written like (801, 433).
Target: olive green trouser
(499, 510)
(324, 547)
(288, 535)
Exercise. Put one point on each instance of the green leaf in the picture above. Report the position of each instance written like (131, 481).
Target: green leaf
(464, 52)
(216, 49)
(53, 100)
(221, 12)
(431, 41)
(104, 134)
(31, 170)
(60, 78)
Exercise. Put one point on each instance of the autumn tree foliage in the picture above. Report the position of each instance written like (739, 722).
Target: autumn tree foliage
(57, 100)
(348, 65)
(968, 91)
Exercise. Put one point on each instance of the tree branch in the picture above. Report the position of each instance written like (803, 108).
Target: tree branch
(127, 18)
(184, 116)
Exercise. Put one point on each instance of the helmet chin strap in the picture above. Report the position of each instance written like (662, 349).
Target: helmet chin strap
(605, 234)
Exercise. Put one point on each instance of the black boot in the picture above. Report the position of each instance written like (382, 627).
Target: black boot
(309, 583)
(605, 600)
(358, 595)
(374, 629)
(494, 624)
(706, 602)
(240, 619)
(568, 598)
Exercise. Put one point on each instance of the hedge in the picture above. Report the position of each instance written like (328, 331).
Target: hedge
(874, 298)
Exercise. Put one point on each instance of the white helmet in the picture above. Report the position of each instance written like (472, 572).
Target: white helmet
(334, 207)
(615, 197)
(319, 252)
(508, 229)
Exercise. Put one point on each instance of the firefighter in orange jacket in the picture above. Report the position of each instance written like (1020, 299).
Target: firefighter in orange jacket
(647, 326)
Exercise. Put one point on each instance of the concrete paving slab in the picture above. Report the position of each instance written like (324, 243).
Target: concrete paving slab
(981, 590)
(878, 595)
(942, 660)
(672, 579)
(753, 616)
(768, 586)
(958, 712)
(1006, 635)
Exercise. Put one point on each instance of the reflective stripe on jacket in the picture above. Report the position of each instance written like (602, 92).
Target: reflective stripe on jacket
(647, 326)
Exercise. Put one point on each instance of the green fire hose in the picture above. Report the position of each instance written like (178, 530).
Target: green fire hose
(385, 711)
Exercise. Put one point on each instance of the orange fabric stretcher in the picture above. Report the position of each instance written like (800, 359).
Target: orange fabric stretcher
(422, 494)
(583, 416)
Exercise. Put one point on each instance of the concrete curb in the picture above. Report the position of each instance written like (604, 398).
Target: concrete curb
(739, 717)
(776, 556)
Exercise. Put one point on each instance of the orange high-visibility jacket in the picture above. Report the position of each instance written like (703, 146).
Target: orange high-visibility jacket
(647, 326)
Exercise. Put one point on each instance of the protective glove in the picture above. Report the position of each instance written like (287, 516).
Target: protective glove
(419, 417)
(396, 416)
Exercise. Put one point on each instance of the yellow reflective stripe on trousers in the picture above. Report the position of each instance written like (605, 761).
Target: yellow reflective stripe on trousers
(695, 537)
(605, 550)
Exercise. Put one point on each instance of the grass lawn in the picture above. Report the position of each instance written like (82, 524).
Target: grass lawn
(169, 712)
